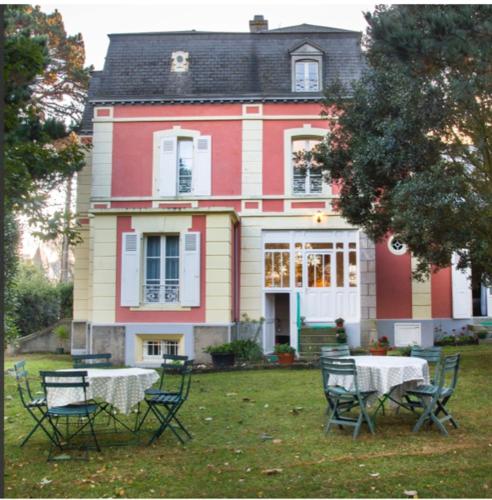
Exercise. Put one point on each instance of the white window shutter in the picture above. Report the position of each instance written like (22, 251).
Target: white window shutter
(190, 284)
(130, 269)
(167, 166)
(202, 169)
(462, 292)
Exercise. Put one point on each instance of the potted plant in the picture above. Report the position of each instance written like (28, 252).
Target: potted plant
(62, 333)
(341, 336)
(285, 353)
(380, 347)
(222, 355)
(339, 322)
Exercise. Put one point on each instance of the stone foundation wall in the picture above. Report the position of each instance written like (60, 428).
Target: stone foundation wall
(79, 335)
(109, 339)
(208, 335)
(367, 252)
(42, 341)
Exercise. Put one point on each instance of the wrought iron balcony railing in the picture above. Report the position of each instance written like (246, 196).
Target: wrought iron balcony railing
(161, 294)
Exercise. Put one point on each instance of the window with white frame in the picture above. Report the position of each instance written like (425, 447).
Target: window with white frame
(161, 283)
(185, 165)
(307, 75)
(277, 265)
(307, 177)
(153, 350)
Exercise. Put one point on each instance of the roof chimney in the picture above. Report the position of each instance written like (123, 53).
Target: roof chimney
(258, 24)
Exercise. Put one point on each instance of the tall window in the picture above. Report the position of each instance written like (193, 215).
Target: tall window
(307, 176)
(161, 269)
(277, 265)
(185, 165)
(307, 76)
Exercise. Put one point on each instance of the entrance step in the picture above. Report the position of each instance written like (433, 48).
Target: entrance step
(313, 338)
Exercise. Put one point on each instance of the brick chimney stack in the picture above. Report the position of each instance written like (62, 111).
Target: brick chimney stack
(258, 25)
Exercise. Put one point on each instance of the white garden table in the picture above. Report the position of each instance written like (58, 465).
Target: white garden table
(385, 374)
(122, 388)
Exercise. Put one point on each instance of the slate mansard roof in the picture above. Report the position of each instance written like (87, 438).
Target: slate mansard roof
(223, 67)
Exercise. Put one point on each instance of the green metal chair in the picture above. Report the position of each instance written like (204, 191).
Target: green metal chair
(169, 366)
(341, 400)
(102, 360)
(431, 354)
(35, 406)
(335, 350)
(433, 398)
(84, 410)
(165, 407)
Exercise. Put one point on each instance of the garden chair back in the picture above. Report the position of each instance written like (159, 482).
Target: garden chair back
(335, 350)
(431, 354)
(102, 360)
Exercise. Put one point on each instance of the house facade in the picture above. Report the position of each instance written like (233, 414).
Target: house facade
(194, 212)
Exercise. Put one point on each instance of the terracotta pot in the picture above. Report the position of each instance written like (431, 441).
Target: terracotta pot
(285, 358)
(378, 351)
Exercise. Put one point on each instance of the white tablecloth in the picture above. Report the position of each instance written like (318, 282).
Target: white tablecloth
(123, 388)
(384, 373)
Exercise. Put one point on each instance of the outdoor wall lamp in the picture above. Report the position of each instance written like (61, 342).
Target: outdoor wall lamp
(318, 216)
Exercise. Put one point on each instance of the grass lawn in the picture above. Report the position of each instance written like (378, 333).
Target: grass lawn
(227, 457)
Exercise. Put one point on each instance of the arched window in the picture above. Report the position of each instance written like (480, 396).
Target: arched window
(307, 75)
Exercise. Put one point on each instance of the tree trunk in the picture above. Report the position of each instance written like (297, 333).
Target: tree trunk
(64, 267)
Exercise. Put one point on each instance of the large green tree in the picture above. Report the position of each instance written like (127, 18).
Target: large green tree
(45, 84)
(412, 147)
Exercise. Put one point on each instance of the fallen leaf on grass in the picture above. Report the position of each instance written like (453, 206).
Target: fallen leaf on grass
(208, 419)
(265, 437)
(276, 441)
(271, 472)
(231, 394)
(374, 474)
(410, 493)
(45, 481)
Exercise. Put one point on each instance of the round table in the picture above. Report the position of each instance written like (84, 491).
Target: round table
(384, 374)
(122, 388)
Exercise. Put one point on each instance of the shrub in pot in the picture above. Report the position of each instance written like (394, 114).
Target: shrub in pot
(339, 322)
(380, 347)
(285, 353)
(341, 335)
(222, 354)
(62, 333)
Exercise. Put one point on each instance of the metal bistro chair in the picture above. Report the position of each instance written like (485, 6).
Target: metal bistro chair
(341, 400)
(36, 406)
(335, 350)
(102, 360)
(433, 398)
(431, 354)
(165, 406)
(80, 411)
(171, 364)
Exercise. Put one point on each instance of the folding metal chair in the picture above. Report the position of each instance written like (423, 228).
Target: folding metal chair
(165, 406)
(102, 360)
(335, 350)
(56, 380)
(432, 355)
(36, 406)
(433, 398)
(341, 400)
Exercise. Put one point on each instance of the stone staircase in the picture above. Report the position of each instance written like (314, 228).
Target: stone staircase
(312, 338)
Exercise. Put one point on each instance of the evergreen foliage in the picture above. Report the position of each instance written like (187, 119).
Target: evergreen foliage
(412, 148)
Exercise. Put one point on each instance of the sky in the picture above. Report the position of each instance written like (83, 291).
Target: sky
(96, 21)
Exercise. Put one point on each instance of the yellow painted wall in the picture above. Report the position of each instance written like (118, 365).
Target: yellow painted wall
(421, 296)
(81, 277)
(218, 278)
(103, 273)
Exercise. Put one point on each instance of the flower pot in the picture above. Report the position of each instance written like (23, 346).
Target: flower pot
(223, 359)
(285, 358)
(378, 351)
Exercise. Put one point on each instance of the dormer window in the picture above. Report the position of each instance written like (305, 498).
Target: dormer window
(307, 76)
(307, 71)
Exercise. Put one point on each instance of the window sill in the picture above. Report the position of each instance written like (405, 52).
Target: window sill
(160, 307)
